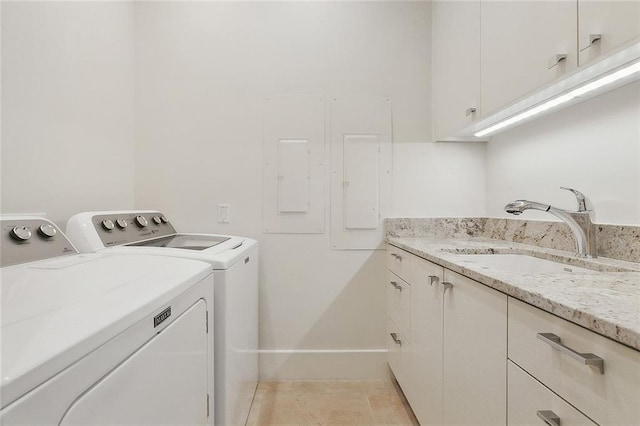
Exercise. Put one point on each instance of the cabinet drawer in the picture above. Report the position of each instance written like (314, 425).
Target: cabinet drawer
(527, 397)
(397, 354)
(399, 303)
(609, 398)
(398, 261)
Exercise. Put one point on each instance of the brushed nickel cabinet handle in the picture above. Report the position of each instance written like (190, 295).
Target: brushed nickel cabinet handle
(593, 38)
(549, 417)
(397, 256)
(470, 111)
(433, 279)
(446, 286)
(396, 285)
(395, 338)
(556, 59)
(589, 359)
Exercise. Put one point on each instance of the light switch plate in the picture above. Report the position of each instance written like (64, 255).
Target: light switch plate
(223, 213)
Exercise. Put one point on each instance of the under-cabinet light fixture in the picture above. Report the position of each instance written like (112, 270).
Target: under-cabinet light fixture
(590, 87)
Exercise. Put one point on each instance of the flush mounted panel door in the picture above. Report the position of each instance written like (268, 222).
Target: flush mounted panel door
(293, 178)
(361, 183)
(360, 171)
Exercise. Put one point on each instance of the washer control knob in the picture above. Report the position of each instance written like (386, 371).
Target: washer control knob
(164, 219)
(47, 231)
(20, 233)
(157, 220)
(122, 223)
(141, 221)
(108, 225)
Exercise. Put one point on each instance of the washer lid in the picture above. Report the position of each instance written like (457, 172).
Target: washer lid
(54, 312)
(221, 256)
(197, 242)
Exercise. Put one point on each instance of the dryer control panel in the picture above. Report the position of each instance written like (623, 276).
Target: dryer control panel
(27, 239)
(120, 228)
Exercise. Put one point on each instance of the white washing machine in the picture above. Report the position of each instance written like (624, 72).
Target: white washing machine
(235, 264)
(101, 338)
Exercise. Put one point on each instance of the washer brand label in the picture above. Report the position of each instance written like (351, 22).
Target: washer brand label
(159, 319)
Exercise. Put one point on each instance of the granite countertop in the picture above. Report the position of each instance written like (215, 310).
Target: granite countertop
(606, 300)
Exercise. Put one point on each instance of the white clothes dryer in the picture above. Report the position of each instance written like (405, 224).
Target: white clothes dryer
(101, 338)
(235, 264)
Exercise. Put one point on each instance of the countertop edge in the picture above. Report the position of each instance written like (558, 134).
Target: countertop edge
(602, 326)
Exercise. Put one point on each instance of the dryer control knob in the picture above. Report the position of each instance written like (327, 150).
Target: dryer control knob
(157, 220)
(141, 221)
(164, 219)
(20, 233)
(108, 225)
(122, 223)
(47, 231)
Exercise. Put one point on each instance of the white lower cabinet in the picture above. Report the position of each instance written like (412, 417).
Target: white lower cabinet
(414, 332)
(532, 403)
(447, 339)
(475, 353)
(449, 357)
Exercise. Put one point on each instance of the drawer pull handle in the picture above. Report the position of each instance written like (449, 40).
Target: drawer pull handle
(397, 256)
(396, 285)
(433, 279)
(446, 286)
(549, 417)
(589, 359)
(395, 338)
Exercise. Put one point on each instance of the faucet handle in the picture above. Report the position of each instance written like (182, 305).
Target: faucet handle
(582, 205)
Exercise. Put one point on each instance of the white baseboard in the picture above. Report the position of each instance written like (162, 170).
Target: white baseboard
(297, 364)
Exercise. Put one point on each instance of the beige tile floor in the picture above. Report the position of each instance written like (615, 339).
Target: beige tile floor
(330, 403)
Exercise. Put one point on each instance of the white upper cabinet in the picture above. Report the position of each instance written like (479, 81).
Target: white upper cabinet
(525, 44)
(455, 66)
(604, 25)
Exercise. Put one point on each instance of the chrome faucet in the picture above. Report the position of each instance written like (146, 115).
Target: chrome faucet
(578, 221)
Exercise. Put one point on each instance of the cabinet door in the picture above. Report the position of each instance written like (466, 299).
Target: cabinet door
(529, 401)
(475, 353)
(425, 391)
(520, 43)
(616, 22)
(455, 66)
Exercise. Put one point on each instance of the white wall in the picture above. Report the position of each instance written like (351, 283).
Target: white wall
(67, 107)
(202, 71)
(110, 105)
(593, 147)
(439, 180)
